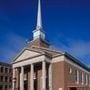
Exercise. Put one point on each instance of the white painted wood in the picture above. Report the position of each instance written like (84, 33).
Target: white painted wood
(22, 79)
(32, 80)
(50, 76)
(39, 16)
(75, 65)
(27, 54)
(29, 61)
(58, 59)
(43, 75)
(13, 83)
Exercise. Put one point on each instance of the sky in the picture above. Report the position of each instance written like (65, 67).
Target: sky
(66, 24)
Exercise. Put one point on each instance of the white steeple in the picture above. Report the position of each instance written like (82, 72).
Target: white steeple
(39, 16)
(38, 33)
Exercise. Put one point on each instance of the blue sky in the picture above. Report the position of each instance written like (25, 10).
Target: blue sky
(66, 23)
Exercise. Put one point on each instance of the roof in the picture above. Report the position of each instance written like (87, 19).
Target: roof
(49, 52)
(5, 64)
(55, 53)
(78, 62)
(30, 49)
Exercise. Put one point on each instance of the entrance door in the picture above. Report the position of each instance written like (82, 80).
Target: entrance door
(35, 84)
(25, 85)
(73, 88)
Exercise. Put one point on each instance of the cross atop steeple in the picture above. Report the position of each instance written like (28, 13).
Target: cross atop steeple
(38, 32)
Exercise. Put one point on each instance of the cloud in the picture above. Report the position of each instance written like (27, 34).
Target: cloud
(78, 48)
(11, 44)
(81, 48)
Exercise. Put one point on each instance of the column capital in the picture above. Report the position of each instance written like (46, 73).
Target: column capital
(22, 67)
(32, 64)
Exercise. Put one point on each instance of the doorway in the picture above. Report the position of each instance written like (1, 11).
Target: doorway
(35, 84)
(73, 88)
(25, 85)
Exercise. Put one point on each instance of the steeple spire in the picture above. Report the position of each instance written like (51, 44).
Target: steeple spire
(38, 33)
(39, 16)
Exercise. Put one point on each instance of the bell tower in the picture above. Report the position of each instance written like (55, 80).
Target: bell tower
(38, 34)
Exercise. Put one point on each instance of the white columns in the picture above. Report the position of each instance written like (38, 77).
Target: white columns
(43, 75)
(32, 81)
(22, 78)
(13, 86)
(50, 76)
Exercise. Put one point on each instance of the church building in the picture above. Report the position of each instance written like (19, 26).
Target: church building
(37, 67)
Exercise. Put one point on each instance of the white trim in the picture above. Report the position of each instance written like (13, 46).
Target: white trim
(58, 59)
(43, 75)
(30, 61)
(32, 79)
(48, 60)
(77, 77)
(50, 76)
(86, 79)
(63, 58)
(22, 79)
(27, 54)
(13, 82)
(82, 78)
(77, 66)
(28, 49)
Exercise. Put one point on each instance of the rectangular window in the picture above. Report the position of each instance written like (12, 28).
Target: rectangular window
(89, 80)
(1, 87)
(70, 70)
(10, 70)
(1, 78)
(6, 79)
(5, 87)
(6, 70)
(10, 87)
(10, 79)
(77, 77)
(2, 69)
(86, 79)
(82, 78)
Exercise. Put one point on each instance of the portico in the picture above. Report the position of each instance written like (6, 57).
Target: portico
(32, 76)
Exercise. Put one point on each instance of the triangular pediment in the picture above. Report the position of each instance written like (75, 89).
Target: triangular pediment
(26, 54)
